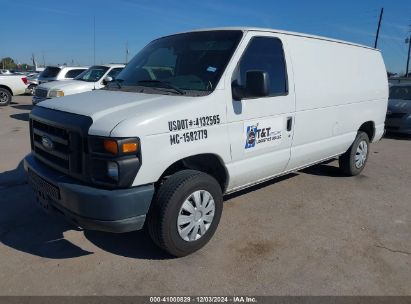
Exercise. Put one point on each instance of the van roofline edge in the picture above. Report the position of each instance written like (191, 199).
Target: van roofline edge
(268, 30)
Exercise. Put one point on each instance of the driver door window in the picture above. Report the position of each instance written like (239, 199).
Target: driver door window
(265, 54)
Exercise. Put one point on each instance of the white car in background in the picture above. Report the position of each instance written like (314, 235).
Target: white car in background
(53, 73)
(96, 77)
(11, 85)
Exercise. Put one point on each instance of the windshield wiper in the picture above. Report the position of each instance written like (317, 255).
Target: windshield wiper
(165, 84)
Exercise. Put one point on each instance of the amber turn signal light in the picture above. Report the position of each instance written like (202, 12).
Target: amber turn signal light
(110, 146)
(129, 147)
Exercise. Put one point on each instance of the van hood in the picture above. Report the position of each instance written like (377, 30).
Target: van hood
(69, 86)
(109, 108)
(399, 106)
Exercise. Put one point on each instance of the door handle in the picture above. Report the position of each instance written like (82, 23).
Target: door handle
(289, 123)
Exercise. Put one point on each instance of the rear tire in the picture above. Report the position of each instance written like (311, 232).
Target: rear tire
(354, 160)
(185, 212)
(5, 97)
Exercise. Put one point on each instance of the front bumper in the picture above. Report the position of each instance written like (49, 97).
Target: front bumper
(119, 210)
(35, 100)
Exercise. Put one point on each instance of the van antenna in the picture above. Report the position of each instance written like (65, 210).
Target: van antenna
(94, 41)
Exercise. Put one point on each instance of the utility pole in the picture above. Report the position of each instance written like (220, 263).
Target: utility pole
(408, 40)
(94, 42)
(378, 28)
(127, 52)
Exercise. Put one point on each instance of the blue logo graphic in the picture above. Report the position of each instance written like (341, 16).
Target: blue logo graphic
(251, 136)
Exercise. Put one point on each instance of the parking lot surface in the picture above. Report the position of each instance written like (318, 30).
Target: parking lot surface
(314, 232)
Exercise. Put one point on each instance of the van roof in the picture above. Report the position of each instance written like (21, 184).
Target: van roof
(259, 29)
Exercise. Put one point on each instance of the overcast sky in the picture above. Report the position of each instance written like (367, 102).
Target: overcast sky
(63, 30)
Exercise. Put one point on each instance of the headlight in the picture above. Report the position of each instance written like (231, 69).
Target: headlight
(113, 162)
(58, 93)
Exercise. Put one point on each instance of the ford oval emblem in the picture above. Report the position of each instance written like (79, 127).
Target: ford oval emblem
(47, 143)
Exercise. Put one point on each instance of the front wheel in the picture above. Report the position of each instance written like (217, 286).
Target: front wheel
(32, 89)
(185, 213)
(353, 161)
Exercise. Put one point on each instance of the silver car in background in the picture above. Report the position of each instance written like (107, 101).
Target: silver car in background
(398, 119)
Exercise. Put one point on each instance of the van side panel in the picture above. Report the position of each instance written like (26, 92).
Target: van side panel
(338, 87)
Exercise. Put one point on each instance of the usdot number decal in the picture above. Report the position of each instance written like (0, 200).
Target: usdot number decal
(183, 124)
(187, 137)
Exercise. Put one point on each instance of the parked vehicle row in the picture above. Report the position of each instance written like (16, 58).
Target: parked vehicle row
(197, 115)
(94, 78)
(5, 72)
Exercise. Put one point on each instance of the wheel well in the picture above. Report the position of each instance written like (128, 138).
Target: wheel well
(369, 128)
(207, 163)
(7, 88)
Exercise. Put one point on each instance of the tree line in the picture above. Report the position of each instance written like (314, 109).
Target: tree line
(8, 63)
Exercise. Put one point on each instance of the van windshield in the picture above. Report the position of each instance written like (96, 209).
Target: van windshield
(189, 63)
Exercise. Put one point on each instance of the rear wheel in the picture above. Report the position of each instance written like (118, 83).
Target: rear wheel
(5, 97)
(353, 161)
(185, 212)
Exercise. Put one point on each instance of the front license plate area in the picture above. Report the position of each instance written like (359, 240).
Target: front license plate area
(45, 192)
(43, 201)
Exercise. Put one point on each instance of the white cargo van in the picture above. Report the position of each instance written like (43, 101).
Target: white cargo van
(200, 114)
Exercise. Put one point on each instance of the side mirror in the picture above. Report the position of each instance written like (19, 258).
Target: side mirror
(237, 91)
(257, 84)
(107, 79)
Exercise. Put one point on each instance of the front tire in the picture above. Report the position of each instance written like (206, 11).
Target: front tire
(32, 89)
(185, 212)
(5, 97)
(353, 161)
